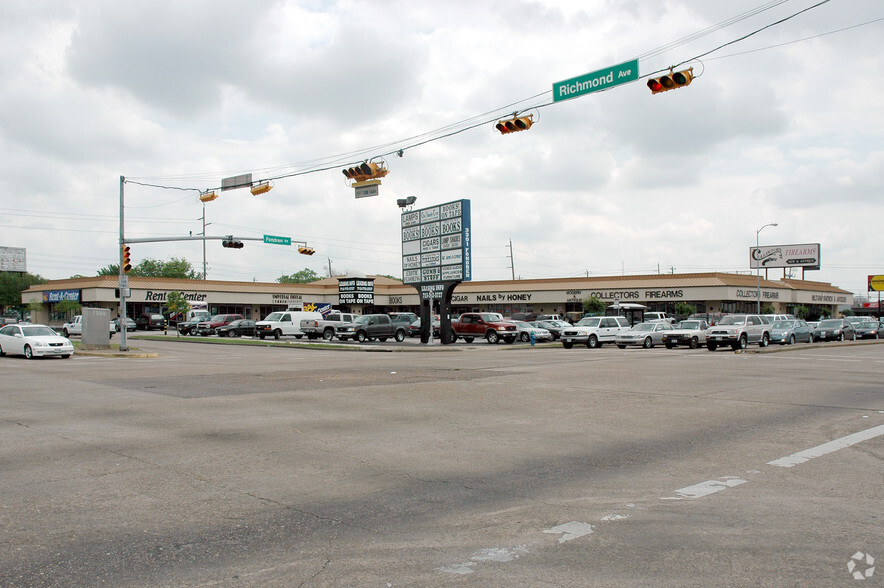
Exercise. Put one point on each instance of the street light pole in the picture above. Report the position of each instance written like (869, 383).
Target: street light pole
(758, 268)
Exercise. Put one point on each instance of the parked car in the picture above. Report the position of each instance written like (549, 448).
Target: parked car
(594, 331)
(790, 331)
(206, 328)
(33, 341)
(7, 320)
(369, 327)
(130, 324)
(490, 325)
(237, 328)
(645, 334)
(658, 317)
(414, 328)
(738, 330)
(834, 330)
(526, 329)
(553, 326)
(148, 321)
(867, 329)
(691, 332)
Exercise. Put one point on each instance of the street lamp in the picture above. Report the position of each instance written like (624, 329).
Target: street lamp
(758, 268)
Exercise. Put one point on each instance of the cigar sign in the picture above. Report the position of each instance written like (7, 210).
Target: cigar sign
(806, 256)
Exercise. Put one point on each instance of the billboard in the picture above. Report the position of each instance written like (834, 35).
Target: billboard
(876, 283)
(806, 256)
(355, 291)
(12, 259)
(436, 244)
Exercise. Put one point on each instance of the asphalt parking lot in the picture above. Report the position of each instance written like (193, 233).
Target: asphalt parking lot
(467, 465)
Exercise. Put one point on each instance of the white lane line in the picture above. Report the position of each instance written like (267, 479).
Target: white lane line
(706, 488)
(572, 530)
(826, 448)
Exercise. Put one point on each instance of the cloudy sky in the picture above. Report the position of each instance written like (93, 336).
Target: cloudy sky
(786, 126)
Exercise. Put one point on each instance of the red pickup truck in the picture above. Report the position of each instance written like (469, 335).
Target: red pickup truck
(490, 325)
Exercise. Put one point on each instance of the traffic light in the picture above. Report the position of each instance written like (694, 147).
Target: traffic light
(231, 243)
(304, 250)
(261, 188)
(365, 171)
(517, 123)
(208, 196)
(671, 81)
(126, 262)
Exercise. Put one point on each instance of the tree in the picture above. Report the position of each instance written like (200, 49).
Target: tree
(68, 306)
(802, 312)
(593, 305)
(683, 309)
(176, 304)
(156, 268)
(304, 276)
(11, 286)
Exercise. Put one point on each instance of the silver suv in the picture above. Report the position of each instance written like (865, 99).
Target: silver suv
(594, 330)
(738, 330)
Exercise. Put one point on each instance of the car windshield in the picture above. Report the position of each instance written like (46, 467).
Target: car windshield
(362, 320)
(523, 325)
(689, 325)
(592, 321)
(273, 316)
(732, 320)
(37, 331)
(830, 323)
(157, 317)
(644, 327)
(784, 325)
(559, 324)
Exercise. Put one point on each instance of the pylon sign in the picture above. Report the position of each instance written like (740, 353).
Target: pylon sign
(436, 244)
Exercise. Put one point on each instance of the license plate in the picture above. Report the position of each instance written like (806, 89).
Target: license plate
(567, 339)
(822, 333)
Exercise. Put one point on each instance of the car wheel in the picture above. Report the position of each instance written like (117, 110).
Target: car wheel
(66, 334)
(695, 342)
(765, 340)
(382, 339)
(298, 336)
(525, 337)
(791, 339)
(492, 337)
(328, 334)
(469, 339)
(2, 353)
(592, 342)
(711, 346)
(361, 336)
(400, 336)
(670, 345)
(853, 336)
(648, 343)
(261, 336)
(276, 333)
(65, 356)
(29, 353)
(841, 336)
(621, 346)
(744, 342)
(567, 345)
(509, 340)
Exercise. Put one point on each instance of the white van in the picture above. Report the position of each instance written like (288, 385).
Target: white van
(286, 322)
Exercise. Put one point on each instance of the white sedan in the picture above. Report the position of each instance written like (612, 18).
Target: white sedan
(526, 330)
(33, 341)
(645, 334)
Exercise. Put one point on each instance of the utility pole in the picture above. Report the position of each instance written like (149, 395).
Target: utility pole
(203, 218)
(512, 261)
(330, 274)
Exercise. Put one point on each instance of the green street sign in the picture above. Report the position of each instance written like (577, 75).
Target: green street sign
(274, 240)
(596, 81)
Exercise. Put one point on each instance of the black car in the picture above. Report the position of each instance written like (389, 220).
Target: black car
(867, 329)
(834, 330)
(237, 329)
(147, 321)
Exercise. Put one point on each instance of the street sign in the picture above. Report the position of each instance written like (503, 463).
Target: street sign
(234, 182)
(596, 81)
(274, 240)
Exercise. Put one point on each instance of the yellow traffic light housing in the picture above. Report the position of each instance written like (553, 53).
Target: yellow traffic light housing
(125, 259)
(261, 188)
(304, 250)
(671, 81)
(365, 171)
(208, 196)
(517, 123)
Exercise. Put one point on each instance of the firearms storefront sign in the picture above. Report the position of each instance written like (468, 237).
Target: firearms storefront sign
(356, 291)
(436, 244)
(806, 256)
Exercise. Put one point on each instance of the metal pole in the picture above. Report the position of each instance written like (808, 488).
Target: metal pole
(204, 241)
(758, 268)
(512, 261)
(123, 343)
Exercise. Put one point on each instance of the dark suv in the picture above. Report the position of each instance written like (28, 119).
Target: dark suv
(206, 328)
(148, 321)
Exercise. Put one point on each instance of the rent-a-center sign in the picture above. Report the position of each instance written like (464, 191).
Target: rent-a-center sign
(436, 244)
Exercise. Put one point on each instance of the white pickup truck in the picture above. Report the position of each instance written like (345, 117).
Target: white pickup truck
(325, 327)
(75, 327)
(277, 324)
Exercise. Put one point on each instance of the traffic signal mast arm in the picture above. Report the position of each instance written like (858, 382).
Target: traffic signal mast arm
(199, 238)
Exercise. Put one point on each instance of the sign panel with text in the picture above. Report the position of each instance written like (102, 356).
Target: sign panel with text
(806, 256)
(436, 244)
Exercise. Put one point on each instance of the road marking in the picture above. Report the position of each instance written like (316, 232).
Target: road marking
(572, 530)
(826, 448)
(706, 488)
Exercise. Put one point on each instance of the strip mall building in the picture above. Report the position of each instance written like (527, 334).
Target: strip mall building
(708, 292)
